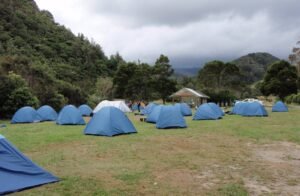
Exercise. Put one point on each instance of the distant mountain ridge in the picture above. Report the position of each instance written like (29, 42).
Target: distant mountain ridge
(189, 71)
(253, 66)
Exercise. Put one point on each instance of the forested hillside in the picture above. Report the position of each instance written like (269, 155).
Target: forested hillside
(42, 62)
(57, 66)
(253, 66)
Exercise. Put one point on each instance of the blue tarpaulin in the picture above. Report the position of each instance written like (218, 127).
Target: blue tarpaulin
(17, 172)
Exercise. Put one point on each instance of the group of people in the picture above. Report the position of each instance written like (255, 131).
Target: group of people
(136, 105)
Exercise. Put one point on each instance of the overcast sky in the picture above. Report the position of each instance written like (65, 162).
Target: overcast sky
(189, 32)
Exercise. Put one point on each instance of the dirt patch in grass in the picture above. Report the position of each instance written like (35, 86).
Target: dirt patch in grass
(188, 181)
(279, 164)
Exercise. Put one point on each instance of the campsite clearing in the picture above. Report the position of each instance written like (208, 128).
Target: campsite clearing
(239, 155)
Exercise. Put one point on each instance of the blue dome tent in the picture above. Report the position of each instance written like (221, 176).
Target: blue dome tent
(153, 116)
(184, 108)
(279, 106)
(85, 110)
(134, 107)
(109, 121)
(206, 112)
(239, 108)
(253, 109)
(236, 107)
(142, 108)
(47, 113)
(216, 108)
(170, 117)
(17, 172)
(242, 108)
(70, 115)
(26, 115)
(148, 109)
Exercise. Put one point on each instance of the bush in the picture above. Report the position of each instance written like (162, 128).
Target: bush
(293, 98)
(220, 97)
(54, 99)
(14, 95)
(72, 93)
(93, 100)
(18, 98)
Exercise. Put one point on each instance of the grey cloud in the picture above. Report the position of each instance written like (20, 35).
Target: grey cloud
(170, 12)
(190, 32)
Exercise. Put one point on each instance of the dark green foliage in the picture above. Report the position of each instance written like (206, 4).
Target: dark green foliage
(280, 79)
(103, 91)
(134, 82)
(293, 98)
(61, 68)
(189, 82)
(113, 62)
(253, 66)
(220, 97)
(162, 71)
(219, 76)
(139, 86)
(142, 82)
(55, 99)
(123, 76)
(14, 94)
(57, 66)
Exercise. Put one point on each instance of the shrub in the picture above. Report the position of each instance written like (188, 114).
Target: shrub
(293, 98)
(15, 94)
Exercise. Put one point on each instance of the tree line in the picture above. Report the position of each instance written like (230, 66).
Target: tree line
(137, 81)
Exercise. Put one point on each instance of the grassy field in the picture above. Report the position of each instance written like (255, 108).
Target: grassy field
(233, 156)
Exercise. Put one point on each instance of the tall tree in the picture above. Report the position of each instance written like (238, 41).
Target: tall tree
(114, 61)
(124, 73)
(133, 81)
(103, 90)
(139, 86)
(295, 57)
(162, 82)
(186, 81)
(280, 80)
(218, 76)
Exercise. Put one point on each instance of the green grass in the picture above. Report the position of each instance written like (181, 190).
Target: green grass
(191, 161)
(233, 190)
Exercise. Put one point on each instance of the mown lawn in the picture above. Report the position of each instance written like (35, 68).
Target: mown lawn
(207, 158)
